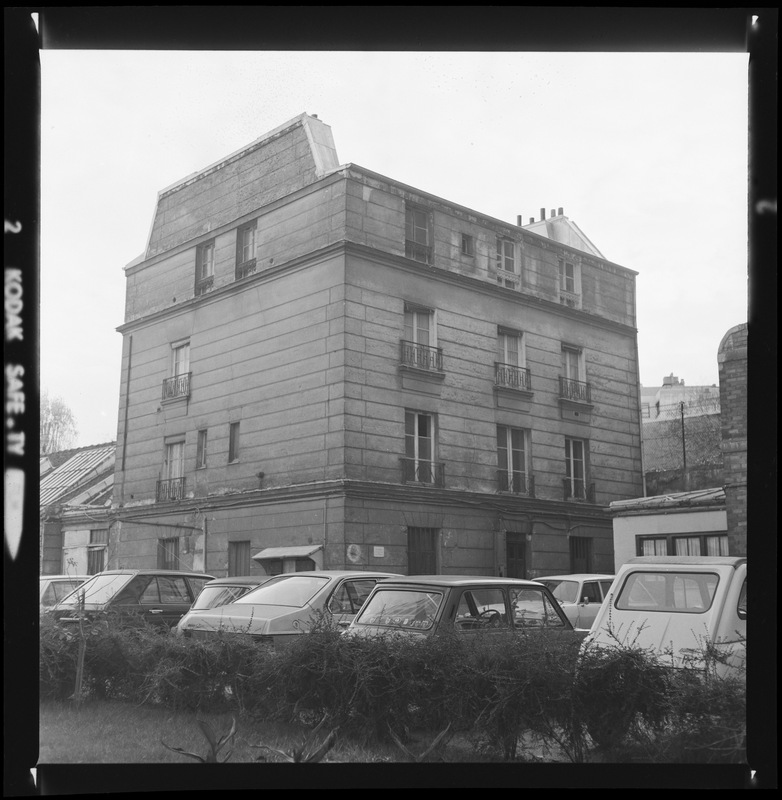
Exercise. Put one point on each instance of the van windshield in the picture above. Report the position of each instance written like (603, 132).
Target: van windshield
(668, 591)
(97, 591)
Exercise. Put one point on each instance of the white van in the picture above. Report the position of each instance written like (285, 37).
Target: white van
(678, 604)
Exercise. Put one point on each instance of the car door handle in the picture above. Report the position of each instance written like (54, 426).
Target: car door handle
(155, 610)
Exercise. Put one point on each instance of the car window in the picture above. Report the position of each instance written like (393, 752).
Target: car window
(414, 609)
(98, 590)
(350, 595)
(214, 596)
(291, 590)
(481, 608)
(591, 591)
(197, 584)
(151, 593)
(668, 591)
(532, 609)
(58, 590)
(564, 591)
(606, 587)
(173, 590)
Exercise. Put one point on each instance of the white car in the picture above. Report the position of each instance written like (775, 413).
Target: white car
(287, 605)
(580, 595)
(54, 588)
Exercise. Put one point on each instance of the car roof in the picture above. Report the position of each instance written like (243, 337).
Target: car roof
(154, 572)
(459, 580)
(577, 576)
(240, 580)
(727, 561)
(339, 573)
(64, 577)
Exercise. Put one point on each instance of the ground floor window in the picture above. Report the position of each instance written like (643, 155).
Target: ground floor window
(168, 553)
(239, 558)
(421, 551)
(580, 554)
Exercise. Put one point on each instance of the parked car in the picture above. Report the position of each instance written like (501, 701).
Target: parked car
(288, 605)
(158, 595)
(678, 604)
(580, 595)
(222, 591)
(428, 604)
(54, 588)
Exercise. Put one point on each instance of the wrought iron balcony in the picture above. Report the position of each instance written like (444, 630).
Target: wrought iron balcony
(418, 252)
(171, 489)
(178, 386)
(416, 470)
(579, 391)
(421, 356)
(244, 269)
(516, 482)
(204, 285)
(510, 377)
(576, 489)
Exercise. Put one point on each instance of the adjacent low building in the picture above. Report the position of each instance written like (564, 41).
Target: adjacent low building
(324, 367)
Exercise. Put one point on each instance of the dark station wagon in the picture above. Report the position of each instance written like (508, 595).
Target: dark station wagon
(160, 596)
(428, 604)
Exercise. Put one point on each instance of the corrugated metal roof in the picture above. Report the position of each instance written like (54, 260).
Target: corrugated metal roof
(702, 497)
(69, 475)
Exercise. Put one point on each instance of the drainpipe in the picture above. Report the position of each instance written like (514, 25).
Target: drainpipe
(125, 431)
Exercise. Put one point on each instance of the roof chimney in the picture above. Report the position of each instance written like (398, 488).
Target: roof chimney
(560, 212)
(552, 213)
(542, 214)
(518, 220)
(531, 220)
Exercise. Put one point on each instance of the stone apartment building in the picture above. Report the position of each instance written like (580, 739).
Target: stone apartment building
(323, 367)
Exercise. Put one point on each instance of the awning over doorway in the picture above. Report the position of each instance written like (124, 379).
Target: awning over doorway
(301, 551)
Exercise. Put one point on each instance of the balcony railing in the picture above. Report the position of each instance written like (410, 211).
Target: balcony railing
(510, 377)
(171, 489)
(244, 269)
(204, 285)
(516, 482)
(421, 356)
(416, 470)
(418, 252)
(178, 386)
(577, 489)
(579, 391)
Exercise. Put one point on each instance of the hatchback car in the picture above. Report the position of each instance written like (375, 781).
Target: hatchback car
(54, 588)
(288, 605)
(222, 591)
(158, 595)
(429, 604)
(580, 595)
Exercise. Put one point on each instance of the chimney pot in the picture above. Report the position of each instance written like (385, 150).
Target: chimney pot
(542, 214)
(531, 220)
(560, 212)
(552, 213)
(518, 220)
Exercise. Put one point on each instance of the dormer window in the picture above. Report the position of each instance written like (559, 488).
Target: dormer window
(205, 267)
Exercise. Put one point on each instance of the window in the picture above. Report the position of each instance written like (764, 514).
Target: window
(532, 609)
(481, 608)
(178, 385)
(422, 551)
(168, 553)
(172, 485)
(418, 236)
(205, 267)
(506, 255)
(669, 591)
(419, 346)
(245, 250)
(351, 595)
(569, 282)
(419, 462)
(572, 385)
(510, 369)
(239, 558)
(709, 544)
(575, 470)
(201, 450)
(512, 458)
(468, 245)
(233, 442)
(96, 552)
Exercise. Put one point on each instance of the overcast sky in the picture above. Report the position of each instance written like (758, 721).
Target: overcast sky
(646, 153)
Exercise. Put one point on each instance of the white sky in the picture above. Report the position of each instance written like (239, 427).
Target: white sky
(646, 153)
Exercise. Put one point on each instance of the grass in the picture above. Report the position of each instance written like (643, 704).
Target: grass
(122, 733)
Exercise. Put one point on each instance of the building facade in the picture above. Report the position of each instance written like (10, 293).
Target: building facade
(325, 367)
